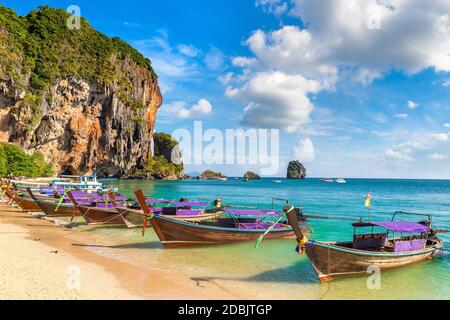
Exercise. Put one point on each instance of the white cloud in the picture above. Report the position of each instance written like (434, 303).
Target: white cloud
(412, 105)
(243, 61)
(276, 7)
(170, 65)
(305, 151)
(275, 100)
(418, 142)
(391, 154)
(336, 39)
(402, 116)
(447, 125)
(438, 157)
(446, 83)
(188, 50)
(215, 59)
(202, 108)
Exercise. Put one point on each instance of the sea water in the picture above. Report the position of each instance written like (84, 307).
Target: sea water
(275, 271)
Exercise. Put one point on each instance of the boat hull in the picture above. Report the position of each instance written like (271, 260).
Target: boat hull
(23, 203)
(27, 205)
(51, 209)
(331, 261)
(135, 218)
(177, 234)
(96, 216)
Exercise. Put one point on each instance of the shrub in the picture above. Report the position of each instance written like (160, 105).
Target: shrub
(159, 166)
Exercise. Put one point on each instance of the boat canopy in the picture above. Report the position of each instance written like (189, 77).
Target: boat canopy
(397, 226)
(156, 201)
(188, 204)
(253, 212)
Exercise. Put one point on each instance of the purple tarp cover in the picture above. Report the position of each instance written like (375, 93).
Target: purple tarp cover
(156, 201)
(188, 212)
(413, 245)
(402, 226)
(253, 212)
(188, 204)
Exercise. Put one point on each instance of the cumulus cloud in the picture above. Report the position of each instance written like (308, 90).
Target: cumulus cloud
(358, 40)
(202, 108)
(275, 100)
(305, 151)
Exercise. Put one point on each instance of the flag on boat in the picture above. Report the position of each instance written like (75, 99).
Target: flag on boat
(368, 200)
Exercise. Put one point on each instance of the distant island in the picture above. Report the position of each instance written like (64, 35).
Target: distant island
(251, 176)
(212, 175)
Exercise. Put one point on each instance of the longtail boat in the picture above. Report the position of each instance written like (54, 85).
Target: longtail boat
(332, 260)
(53, 208)
(182, 210)
(222, 230)
(100, 214)
(26, 204)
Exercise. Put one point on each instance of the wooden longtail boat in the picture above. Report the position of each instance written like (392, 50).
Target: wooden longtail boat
(135, 218)
(26, 204)
(332, 260)
(97, 215)
(51, 208)
(176, 234)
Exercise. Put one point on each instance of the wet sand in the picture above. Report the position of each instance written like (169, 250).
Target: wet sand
(39, 261)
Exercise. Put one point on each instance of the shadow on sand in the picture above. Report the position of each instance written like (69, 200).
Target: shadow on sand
(140, 245)
(300, 273)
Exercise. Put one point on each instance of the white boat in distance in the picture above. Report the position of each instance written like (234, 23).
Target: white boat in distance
(341, 180)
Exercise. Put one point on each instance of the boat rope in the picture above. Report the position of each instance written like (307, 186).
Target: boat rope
(61, 200)
(149, 216)
(261, 237)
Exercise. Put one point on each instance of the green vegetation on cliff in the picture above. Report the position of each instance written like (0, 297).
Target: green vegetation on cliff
(15, 162)
(162, 168)
(211, 175)
(162, 164)
(42, 46)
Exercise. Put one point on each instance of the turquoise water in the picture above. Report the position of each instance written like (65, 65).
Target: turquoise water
(275, 271)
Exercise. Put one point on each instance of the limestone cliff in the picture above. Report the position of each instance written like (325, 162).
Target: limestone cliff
(87, 102)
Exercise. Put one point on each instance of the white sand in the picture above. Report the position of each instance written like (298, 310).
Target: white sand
(29, 270)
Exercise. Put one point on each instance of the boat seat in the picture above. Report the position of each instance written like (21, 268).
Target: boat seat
(369, 241)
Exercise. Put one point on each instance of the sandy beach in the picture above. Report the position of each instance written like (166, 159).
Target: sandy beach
(40, 261)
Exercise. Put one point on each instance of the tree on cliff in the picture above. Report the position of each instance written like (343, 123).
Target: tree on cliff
(15, 162)
(166, 162)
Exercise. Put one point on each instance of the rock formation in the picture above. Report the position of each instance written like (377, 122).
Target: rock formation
(86, 102)
(251, 176)
(296, 170)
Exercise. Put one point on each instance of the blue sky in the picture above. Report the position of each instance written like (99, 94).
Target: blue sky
(358, 88)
